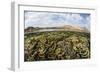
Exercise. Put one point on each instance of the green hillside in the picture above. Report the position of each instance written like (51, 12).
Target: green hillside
(56, 45)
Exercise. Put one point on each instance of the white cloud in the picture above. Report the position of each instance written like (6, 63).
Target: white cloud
(46, 19)
(38, 19)
(76, 16)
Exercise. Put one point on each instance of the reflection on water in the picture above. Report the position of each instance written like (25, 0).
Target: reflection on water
(42, 30)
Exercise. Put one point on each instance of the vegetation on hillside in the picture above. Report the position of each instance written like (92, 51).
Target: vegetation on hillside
(56, 45)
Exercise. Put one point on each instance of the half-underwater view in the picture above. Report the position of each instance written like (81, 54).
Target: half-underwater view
(56, 36)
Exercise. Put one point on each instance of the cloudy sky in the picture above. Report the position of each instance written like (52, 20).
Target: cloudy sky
(51, 19)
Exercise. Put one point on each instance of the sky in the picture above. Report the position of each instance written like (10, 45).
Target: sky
(54, 19)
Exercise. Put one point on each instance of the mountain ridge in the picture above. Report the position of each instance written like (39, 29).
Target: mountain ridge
(61, 28)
